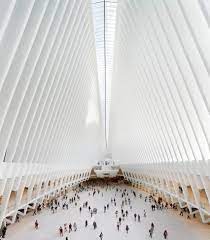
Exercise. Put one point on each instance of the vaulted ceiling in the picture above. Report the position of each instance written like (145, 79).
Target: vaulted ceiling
(77, 75)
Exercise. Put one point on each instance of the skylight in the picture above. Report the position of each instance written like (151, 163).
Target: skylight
(104, 17)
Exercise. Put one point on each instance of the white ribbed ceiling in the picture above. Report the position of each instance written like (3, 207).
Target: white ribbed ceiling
(49, 102)
(160, 109)
(53, 96)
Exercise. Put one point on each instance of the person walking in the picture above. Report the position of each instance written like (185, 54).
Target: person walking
(86, 223)
(127, 228)
(151, 232)
(36, 225)
(101, 235)
(94, 225)
(165, 234)
(70, 227)
(75, 226)
(126, 213)
(65, 227)
(118, 227)
(61, 231)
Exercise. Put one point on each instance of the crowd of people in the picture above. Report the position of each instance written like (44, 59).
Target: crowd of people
(120, 203)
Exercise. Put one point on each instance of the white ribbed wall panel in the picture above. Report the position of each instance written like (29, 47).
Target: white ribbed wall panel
(51, 132)
(160, 115)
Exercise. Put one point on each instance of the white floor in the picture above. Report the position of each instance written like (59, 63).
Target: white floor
(179, 228)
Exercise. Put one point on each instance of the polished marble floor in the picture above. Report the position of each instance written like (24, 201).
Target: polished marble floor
(179, 228)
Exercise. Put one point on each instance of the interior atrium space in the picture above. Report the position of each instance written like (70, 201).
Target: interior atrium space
(104, 119)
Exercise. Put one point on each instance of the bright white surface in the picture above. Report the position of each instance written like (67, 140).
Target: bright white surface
(160, 89)
(49, 100)
(178, 227)
(109, 30)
